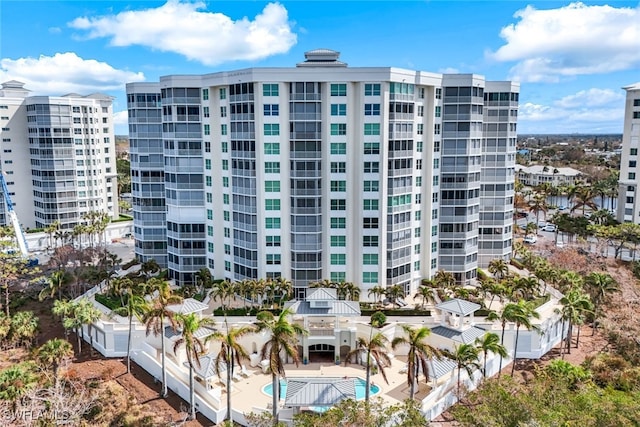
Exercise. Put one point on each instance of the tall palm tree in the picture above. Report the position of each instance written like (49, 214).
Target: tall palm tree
(537, 205)
(584, 197)
(420, 353)
(154, 320)
(52, 353)
(194, 347)
(523, 314)
(575, 305)
(489, 342)
(377, 291)
(88, 314)
(24, 327)
(203, 280)
(375, 348)
(426, 294)
(56, 282)
(231, 352)
(466, 357)
(394, 293)
(67, 311)
(600, 286)
(508, 314)
(284, 339)
(499, 268)
(16, 381)
(444, 279)
(137, 307)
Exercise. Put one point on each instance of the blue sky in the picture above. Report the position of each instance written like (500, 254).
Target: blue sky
(572, 59)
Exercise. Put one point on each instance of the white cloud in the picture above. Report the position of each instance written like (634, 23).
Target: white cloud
(593, 110)
(185, 28)
(449, 70)
(572, 40)
(65, 73)
(120, 118)
(55, 30)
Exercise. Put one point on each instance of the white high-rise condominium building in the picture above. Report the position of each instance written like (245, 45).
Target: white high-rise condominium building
(57, 156)
(628, 197)
(322, 171)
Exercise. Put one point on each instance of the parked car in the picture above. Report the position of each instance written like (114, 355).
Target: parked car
(550, 227)
(562, 208)
(542, 225)
(530, 239)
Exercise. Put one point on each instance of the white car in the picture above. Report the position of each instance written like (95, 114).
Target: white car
(550, 227)
(531, 239)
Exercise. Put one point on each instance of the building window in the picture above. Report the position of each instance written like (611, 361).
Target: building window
(370, 241)
(419, 145)
(272, 186)
(209, 230)
(273, 259)
(270, 89)
(272, 148)
(371, 167)
(636, 114)
(223, 129)
(209, 247)
(434, 263)
(338, 241)
(272, 204)
(418, 215)
(225, 200)
(371, 204)
(420, 110)
(438, 110)
(272, 167)
(338, 167)
(369, 222)
(207, 180)
(372, 89)
(338, 128)
(629, 199)
(434, 214)
(338, 89)
(338, 204)
(338, 259)
(209, 198)
(339, 186)
(272, 223)
(223, 111)
(369, 277)
(207, 164)
(207, 130)
(338, 109)
(338, 276)
(371, 185)
(634, 152)
(416, 232)
(372, 128)
(205, 111)
(438, 93)
(338, 148)
(223, 93)
(271, 129)
(209, 214)
(271, 110)
(632, 163)
(338, 223)
(224, 146)
(632, 175)
(205, 94)
(434, 230)
(225, 165)
(371, 148)
(371, 109)
(369, 259)
(420, 129)
(421, 93)
(273, 241)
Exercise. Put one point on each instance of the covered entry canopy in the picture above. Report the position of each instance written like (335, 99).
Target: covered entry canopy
(319, 391)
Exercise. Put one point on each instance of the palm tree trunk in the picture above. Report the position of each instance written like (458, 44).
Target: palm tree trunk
(368, 377)
(484, 369)
(562, 341)
(229, 377)
(165, 389)
(79, 336)
(192, 395)
(578, 337)
(412, 390)
(515, 350)
(501, 343)
(275, 386)
(459, 369)
(129, 343)
(569, 333)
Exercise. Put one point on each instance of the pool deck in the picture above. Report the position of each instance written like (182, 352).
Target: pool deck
(247, 394)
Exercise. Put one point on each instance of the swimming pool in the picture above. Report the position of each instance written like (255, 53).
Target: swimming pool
(361, 386)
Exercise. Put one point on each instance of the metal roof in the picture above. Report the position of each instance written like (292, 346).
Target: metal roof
(207, 367)
(467, 336)
(319, 391)
(188, 306)
(322, 294)
(333, 308)
(440, 368)
(458, 306)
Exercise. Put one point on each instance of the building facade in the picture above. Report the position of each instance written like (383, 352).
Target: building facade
(321, 171)
(66, 147)
(628, 197)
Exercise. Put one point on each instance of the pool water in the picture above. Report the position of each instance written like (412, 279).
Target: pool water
(361, 386)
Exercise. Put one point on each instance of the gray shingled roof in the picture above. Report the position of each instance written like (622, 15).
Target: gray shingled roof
(319, 391)
(207, 367)
(458, 306)
(188, 306)
(440, 368)
(465, 337)
(335, 308)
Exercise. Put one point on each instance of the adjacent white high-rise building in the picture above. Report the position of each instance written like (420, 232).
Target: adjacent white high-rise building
(628, 197)
(57, 156)
(323, 171)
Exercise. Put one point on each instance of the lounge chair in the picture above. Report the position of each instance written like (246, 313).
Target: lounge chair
(244, 372)
(404, 369)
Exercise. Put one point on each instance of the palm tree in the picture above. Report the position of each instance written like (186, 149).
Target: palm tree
(444, 279)
(466, 357)
(88, 314)
(221, 290)
(426, 294)
(24, 326)
(154, 320)
(600, 286)
(136, 306)
(523, 314)
(508, 314)
(149, 268)
(394, 293)
(584, 196)
(490, 342)
(16, 381)
(194, 347)
(420, 353)
(499, 268)
(537, 205)
(52, 354)
(575, 304)
(375, 348)
(377, 291)
(284, 339)
(231, 352)
(67, 311)
(50, 230)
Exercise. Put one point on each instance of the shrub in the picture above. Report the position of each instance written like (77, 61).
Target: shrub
(378, 319)
(517, 264)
